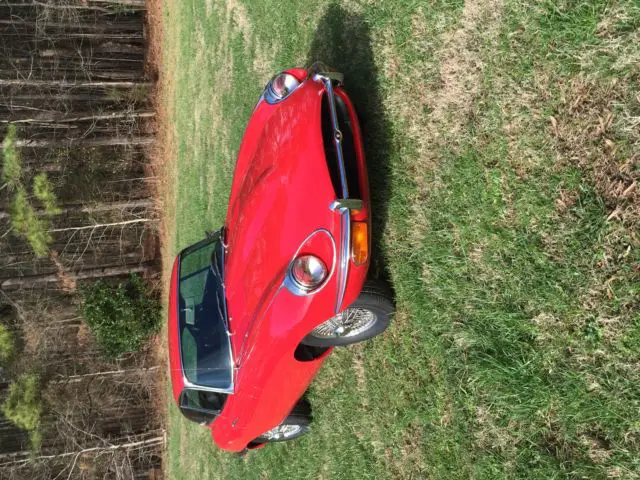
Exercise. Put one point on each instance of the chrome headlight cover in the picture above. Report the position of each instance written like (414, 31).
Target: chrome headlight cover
(280, 87)
(306, 274)
(327, 260)
(308, 271)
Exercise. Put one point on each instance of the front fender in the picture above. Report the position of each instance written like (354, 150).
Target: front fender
(270, 380)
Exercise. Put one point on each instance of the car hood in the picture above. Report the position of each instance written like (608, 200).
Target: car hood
(281, 193)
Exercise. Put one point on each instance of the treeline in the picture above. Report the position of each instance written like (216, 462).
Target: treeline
(75, 208)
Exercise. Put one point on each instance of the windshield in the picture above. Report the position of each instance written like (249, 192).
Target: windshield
(204, 343)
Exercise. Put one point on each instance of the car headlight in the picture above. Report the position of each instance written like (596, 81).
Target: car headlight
(280, 87)
(308, 272)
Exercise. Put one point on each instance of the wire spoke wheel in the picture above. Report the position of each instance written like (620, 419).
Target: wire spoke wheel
(282, 432)
(292, 427)
(369, 315)
(350, 323)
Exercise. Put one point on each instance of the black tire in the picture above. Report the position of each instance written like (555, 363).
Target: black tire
(376, 298)
(303, 407)
(294, 419)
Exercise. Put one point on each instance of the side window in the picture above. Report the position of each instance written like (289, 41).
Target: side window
(200, 406)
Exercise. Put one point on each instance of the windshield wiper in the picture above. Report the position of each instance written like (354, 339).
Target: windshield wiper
(222, 309)
(215, 267)
(221, 313)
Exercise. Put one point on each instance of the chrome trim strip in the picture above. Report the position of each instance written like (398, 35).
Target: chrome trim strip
(345, 244)
(322, 69)
(348, 203)
(227, 319)
(335, 76)
(288, 281)
(337, 134)
(188, 384)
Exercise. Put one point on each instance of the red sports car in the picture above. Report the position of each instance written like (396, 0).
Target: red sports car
(256, 308)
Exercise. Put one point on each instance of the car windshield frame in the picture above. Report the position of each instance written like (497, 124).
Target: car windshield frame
(213, 265)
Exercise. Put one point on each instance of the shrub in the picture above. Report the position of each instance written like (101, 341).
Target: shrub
(6, 345)
(120, 316)
(25, 221)
(24, 218)
(23, 405)
(43, 191)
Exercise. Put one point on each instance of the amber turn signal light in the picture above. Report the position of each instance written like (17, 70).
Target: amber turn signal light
(359, 242)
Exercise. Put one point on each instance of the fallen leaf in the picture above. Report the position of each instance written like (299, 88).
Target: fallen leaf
(629, 189)
(614, 214)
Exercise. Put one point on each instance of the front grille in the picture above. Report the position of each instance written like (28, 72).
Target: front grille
(348, 148)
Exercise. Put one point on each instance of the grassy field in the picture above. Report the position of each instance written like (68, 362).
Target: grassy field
(503, 143)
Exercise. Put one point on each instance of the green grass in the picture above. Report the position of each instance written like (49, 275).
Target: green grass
(514, 353)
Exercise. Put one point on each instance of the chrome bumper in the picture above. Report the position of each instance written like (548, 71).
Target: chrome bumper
(344, 205)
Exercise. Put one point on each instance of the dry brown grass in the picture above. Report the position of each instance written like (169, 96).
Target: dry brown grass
(596, 131)
(450, 101)
(163, 154)
(361, 378)
(162, 157)
(586, 129)
(434, 115)
(462, 65)
(264, 54)
(490, 435)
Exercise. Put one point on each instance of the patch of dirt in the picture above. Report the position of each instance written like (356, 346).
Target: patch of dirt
(412, 444)
(66, 280)
(84, 336)
(34, 337)
(408, 462)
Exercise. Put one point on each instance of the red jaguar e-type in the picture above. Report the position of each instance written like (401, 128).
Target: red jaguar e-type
(255, 309)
